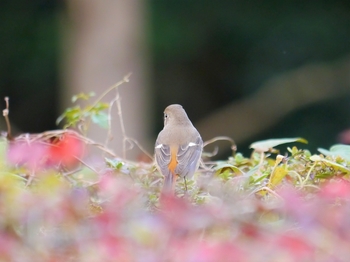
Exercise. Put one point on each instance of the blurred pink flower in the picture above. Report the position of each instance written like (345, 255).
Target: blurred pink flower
(338, 188)
(344, 136)
(297, 246)
(220, 251)
(33, 155)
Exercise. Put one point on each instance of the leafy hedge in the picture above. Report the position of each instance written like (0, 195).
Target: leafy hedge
(56, 205)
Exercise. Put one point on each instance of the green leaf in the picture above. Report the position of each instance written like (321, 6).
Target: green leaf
(82, 96)
(114, 163)
(324, 175)
(239, 158)
(252, 171)
(267, 145)
(72, 116)
(101, 119)
(97, 108)
(337, 150)
(335, 165)
(258, 179)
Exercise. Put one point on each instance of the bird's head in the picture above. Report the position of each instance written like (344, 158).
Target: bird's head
(175, 114)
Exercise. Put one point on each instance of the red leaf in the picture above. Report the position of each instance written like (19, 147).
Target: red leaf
(67, 150)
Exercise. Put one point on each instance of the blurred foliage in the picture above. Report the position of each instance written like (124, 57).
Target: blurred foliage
(80, 116)
(57, 205)
(291, 207)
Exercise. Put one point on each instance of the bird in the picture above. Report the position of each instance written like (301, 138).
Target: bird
(178, 147)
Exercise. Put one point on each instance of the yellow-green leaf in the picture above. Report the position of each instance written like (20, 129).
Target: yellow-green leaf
(337, 150)
(267, 145)
(276, 177)
(335, 165)
(227, 167)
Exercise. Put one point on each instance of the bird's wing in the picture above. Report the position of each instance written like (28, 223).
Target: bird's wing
(163, 155)
(188, 158)
(163, 158)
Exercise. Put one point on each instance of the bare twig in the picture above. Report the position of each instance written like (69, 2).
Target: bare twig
(125, 80)
(211, 154)
(308, 175)
(204, 166)
(85, 164)
(220, 138)
(59, 132)
(5, 113)
(122, 127)
(115, 100)
(109, 133)
(30, 178)
(133, 141)
(267, 189)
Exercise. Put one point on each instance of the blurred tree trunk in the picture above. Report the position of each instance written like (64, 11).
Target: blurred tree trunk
(102, 42)
(277, 97)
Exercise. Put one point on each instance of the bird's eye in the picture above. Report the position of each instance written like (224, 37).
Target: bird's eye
(165, 119)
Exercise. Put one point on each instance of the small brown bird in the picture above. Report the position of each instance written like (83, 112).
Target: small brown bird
(178, 147)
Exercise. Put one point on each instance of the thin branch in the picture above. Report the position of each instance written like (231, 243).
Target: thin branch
(109, 133)
(115, 100)
(308, 175)
(55, 133)
(125, 80)
(267, 189)
(204, 166)
(122, 127)
(220, 138)
(5, 113)
(30, 178)
(85, 164)
(69, 173)
(211, 154)
(143, 150)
